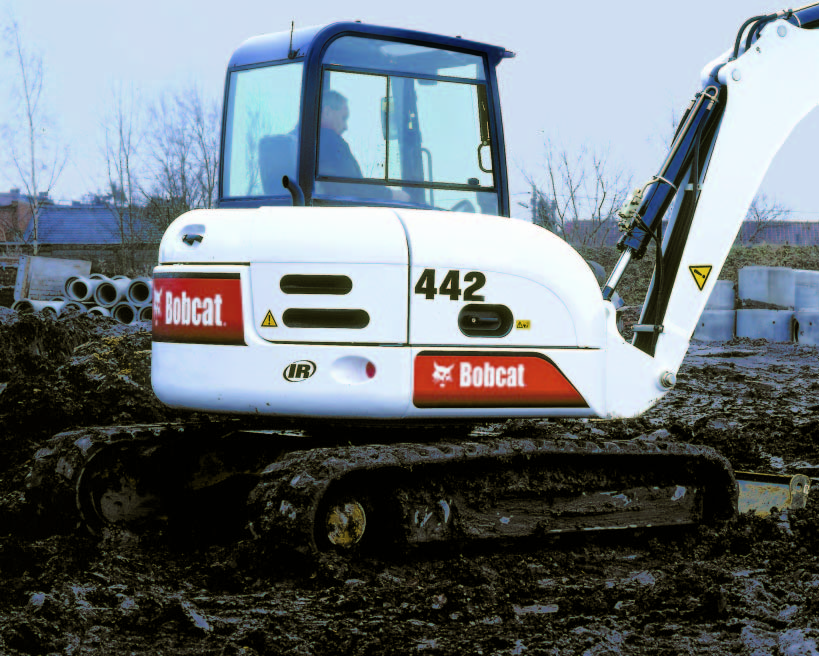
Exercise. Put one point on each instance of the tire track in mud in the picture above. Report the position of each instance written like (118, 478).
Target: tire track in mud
(750, 587)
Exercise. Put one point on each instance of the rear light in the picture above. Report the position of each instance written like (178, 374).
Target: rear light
(370, 370)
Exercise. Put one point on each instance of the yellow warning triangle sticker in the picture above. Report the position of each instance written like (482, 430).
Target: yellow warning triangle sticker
(700, 274)
(269, 321)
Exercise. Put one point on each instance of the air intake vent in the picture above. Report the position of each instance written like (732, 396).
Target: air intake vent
(309, 318)
(305, 284)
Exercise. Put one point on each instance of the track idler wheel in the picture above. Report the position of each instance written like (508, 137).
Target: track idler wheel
(120, 488)
(345, 524)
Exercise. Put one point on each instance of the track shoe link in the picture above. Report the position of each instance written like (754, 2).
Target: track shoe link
(347, 497)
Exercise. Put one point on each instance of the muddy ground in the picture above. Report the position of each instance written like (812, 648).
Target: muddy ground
(751, 587)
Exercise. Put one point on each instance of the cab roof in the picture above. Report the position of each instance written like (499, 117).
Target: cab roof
(277, 46)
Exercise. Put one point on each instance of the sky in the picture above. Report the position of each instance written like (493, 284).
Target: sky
(607, 76)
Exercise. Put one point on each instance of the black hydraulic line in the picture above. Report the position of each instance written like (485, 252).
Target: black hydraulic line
(657, 302)
(668, 180)
(748, 22)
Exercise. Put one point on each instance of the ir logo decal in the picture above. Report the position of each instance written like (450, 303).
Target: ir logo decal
(298, 371)
(489, 380)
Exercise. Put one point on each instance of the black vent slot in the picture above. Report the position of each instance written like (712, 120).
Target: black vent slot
(476, 320)
(309, 318)
(306, 284)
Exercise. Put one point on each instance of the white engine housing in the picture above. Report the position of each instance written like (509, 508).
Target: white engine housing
(231, 336)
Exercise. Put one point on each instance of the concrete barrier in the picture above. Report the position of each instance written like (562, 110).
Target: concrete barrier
(806, 327)
(773, 325)
(774, 287)
(716, 326)
(807, 290)
(723, 296)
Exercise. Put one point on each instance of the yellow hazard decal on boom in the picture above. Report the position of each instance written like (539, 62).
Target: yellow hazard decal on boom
(269, 321)
(523, 324)
(700, 274)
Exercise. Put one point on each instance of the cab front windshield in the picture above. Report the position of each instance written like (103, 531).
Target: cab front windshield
(405, 124)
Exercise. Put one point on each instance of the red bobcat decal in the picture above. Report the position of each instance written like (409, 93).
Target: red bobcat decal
(477, 380)
(198, 310)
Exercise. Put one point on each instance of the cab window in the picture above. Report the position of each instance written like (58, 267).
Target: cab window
(261, 130)
(404, 123)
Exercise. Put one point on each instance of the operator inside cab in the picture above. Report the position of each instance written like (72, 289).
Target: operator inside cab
(335, 157)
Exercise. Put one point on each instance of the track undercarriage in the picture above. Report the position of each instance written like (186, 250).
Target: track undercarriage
(218, 482)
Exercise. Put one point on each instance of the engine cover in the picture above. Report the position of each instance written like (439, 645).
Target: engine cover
(375, 313)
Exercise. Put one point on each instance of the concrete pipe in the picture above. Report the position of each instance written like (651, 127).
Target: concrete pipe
(722, 297)
(74, 306)
(806, 327)
(125, 313)
(82, 289)
(807, 290)
(140, 291)
(146, 313)
(28, 306)
(716, 326)
(67, 285)
(98, 276)
(773, 325)
(774, 287)
(110, 292)
(98, 311)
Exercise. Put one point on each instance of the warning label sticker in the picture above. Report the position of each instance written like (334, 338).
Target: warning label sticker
(477, 380)
(523, 324)
(269, 321)
(700, 273)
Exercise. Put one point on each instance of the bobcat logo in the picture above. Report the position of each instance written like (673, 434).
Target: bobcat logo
(442, 375)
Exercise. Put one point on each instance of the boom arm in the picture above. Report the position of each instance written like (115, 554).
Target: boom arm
(763, 94)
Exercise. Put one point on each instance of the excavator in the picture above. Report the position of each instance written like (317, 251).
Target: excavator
(362, 280)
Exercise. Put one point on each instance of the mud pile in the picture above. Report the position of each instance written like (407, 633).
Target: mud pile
(750, 587)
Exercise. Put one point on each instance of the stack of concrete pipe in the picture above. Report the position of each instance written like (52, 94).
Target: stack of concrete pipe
(125, 299)
(775, 303)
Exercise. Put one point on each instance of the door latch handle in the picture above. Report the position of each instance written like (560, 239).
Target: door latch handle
(191, 238)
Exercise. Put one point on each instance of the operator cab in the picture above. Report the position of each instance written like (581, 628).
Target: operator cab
(363, 115)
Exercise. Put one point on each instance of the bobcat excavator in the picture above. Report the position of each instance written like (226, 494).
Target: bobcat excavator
(361, 277)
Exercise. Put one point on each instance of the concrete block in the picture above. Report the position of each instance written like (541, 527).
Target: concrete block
(773, 325)
(722, 296)
(807, 290)
(774, 287)
(806, 327)
(716, 326)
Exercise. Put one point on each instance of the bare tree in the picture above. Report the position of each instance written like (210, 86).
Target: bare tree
(123, 193)
(204, 117)
(171, 145)
(581, 194)
(40, 161)
(761, 214)
(183, 147)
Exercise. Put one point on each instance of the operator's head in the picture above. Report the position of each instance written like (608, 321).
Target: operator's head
(334, 112)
